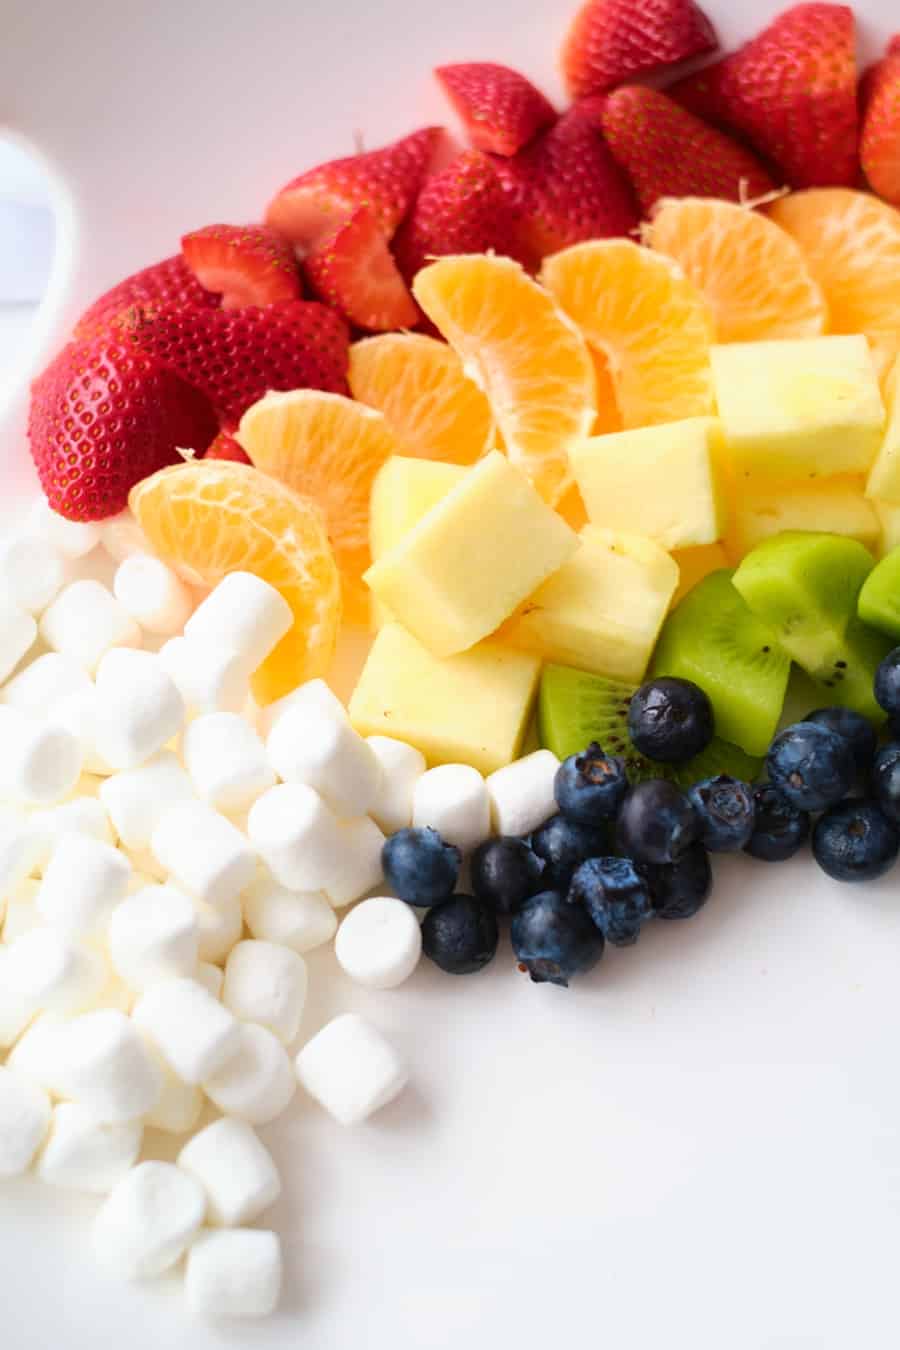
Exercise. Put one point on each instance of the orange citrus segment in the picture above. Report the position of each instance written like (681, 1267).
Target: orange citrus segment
(330, 449)
(650, 322)
(210, 518)
(752, 275)
(851, 242)
(518, 347)
(419, 385)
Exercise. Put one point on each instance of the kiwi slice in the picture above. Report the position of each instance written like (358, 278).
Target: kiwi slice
(712, 638)
(879, 600)
(575, 708)
(806, 586)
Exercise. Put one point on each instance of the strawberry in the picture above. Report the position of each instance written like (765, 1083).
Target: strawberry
(353, 270)
(246, 265)
(103, 416)
(611, 41)
(226, 447)
(880, 142)
(791, 92)
(385, 180)
(235, 356)
(566, 187)
(667, 152)
(500, 109)
(170, 282)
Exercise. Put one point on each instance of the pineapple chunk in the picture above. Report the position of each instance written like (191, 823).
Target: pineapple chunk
(472, 559)
(663, 481)
(473, 708)
(804, 407)
(884, 480)
(828, 505)
(889, 520)
(602, 611)
(404, 489)
(696, 563)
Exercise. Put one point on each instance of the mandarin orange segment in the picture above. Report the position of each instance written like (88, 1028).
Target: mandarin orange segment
(527, 356)
(752, 274)
(434, 411)
(209, 519)
(650, 322)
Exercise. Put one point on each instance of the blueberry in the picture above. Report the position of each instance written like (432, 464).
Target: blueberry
(615, 895)
(887, 683)
(553, 940)
(563, 844)
(811, 766)
(419, 866)
(680, 888)
(781, 828)
(726, 812)
(886, 780)
(590, 787)
(460, 935)
(855, 841)
(856, 729)
(656, 823)
(504, 873)
(670, 720)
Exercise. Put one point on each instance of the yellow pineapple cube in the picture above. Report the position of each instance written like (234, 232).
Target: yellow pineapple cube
(830, 505)
(472, 708)
(884, 480)
(696, 563)
(404, 489)
(472, 559)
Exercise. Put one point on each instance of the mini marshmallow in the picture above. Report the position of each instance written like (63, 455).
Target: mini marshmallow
(16, 1010)
(266, 983)
(24, 1121)
(234, 1273)
(71, 538)
(204, 852)
(77, 713)
(193, 1032)
(139, 708)
(148, 1220)
(44, 682)
(209, 678)
(21, 913)
(297, 836)
(18, 631)
(136, 798)
(152, 594)
(303, 920)
(358, 868)
(40, 1052)
(122, 536)
(453, 800)
(83, 815)
(259, 1083)
(21, 850)
(350, 1069)
(521, 793)
(84, 1154)
(379, 943)
(153, 936)
(211, 977)
(31, 573)
(53, 973)
(314, 697)
(40, 763)
(83, 882)
(179, 1107)
(328, 755)
(235, 1169)
(219, 927)
(85, 621)
(226, 761)
(402, 766)
(108, 1068)
(244, 613)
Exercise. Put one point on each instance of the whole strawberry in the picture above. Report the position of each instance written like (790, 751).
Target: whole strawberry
(500, 109)
(353, 269)
(612, 41)
(103, 416)
(245, 264)
(880, 141)
(170, 282)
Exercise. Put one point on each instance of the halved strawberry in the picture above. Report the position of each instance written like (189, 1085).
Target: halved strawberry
(880, 141)
(611, 41)
(385, 180)
(170, 282)
(245, 264)
(226, 447)
(500, 109)
(354, 270)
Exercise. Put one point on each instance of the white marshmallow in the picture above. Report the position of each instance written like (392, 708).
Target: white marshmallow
(40, 763)
(210, 678)
(235, 1169)
(328, 755)
(219, 927)
(108, 1068)
(453, 800)
(85, 1154)
(21, 913)
(77, 714)
(44, 682)
(234, 1273)
(152, 594)
(179, 1107)
(314, 696)
(205, 853)
(303, 920)
(266, 983)
(137, 798)
(122, 536)
(40, 1052)
(259, 1083)
(153, 936)
(226, 761)
(358, 868)
(297, 836)
(244, 613)
(148, 1220)
(521, 793)
(211, 977)
(51, 972)
(350, 1069)
(85, 621)
(82, 815)
(16, 1010)
(139, 708)
(402, 766)
(21, 850)
(18, 631)
(83, 882)
(24, 1120)
(31, 573)
(72, 538)
(192, 1031)
(379, 943)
